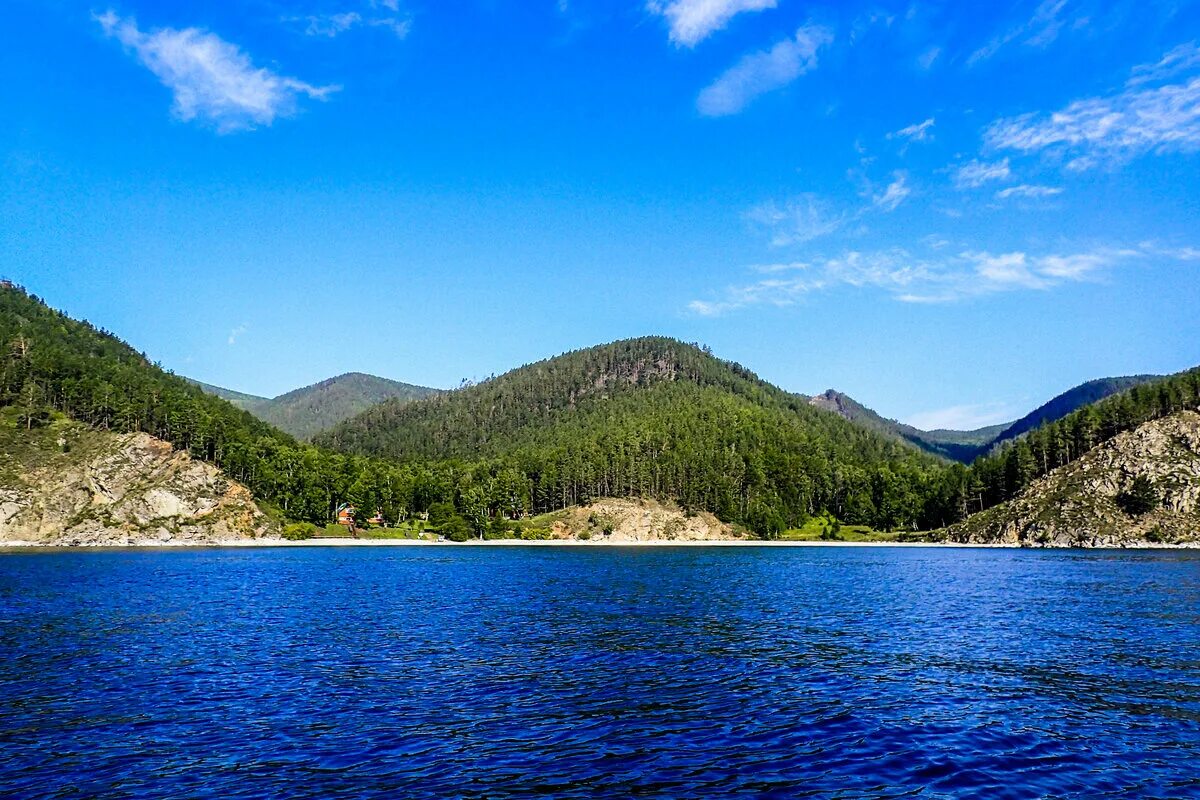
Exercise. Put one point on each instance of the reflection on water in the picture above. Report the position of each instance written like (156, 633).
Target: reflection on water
(599, 672)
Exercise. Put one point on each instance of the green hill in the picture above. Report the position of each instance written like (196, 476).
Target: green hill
(961, 446)
(306, 412)
(52, 365)
(656, 417)
(966, 446)
(1070, 401)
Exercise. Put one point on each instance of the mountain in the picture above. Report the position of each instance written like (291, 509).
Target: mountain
(966, 446)
(658, 418)
(953, 445)
(306, 412)
(1070, 401)
(1140, 488)
(244, 401)
(55, 370)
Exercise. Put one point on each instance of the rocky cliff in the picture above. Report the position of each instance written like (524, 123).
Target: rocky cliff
(1085, 504)
(68, 485)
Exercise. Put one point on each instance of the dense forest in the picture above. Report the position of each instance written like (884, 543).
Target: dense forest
(646, 417)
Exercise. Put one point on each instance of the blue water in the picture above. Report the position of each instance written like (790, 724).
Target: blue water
(599, 672)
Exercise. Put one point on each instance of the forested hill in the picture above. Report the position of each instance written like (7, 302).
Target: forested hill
(307, 411)
(1006, 472)
(521, 406)
(656, 417)
(961, 446)
(1070, 401)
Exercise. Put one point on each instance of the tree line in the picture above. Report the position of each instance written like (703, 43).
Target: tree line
(650, 418)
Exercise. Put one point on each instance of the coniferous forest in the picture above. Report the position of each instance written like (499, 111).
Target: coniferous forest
(650, 417)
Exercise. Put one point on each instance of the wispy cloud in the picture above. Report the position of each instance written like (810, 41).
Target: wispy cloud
(976, 173)
(211, 79)
(692, 21)
(928, 57)
(943, 278)
(1182, 59)
(1027, 190)
(764, 71)
(798, 220)
(236, 334)
(1136, 121)
(896, 193)
(384, 15)
(917, 132)
(964, 417)
(1039, 31)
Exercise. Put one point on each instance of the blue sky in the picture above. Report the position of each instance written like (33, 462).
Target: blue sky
(950, 211)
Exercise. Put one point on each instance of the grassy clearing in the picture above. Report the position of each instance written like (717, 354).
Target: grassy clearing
(827, 529)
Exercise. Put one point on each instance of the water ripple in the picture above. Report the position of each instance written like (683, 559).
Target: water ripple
(597, 673)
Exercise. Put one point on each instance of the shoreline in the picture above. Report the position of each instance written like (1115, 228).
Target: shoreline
(718, 543)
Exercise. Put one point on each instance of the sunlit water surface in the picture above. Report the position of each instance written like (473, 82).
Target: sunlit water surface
(599, 672)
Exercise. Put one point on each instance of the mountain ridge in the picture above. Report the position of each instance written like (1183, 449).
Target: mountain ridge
(309, 410)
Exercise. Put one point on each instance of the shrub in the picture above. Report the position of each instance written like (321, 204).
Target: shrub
(1141, 497)
(299, 531)
(456, 529)
(585, 535)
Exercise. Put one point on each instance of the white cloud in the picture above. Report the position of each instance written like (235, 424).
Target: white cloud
(941, 278)
(1184, 58)
(896, 193)
(332, 25)
(964, 418)
(1109, 130)
(1029, 191)
(798, 220)
(692, 21)
(211, 79)
(974, 174)
(927, 58)
(1039, 31)
(917, 132)
(764, 71)
(236, 334)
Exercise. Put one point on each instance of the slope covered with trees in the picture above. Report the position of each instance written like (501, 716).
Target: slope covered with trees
(962, 446)
(307, 411)
(1070, 401)
(660, 418)
(1006, 472)
(51, 363)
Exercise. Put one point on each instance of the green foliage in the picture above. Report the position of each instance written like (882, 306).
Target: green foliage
(1141, 497)
(456, 529)
(649, 418)
(299, 531)
(1003, 474)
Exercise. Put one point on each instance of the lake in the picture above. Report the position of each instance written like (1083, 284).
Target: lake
(597, 672)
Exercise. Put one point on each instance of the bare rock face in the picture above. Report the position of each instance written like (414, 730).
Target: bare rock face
(618, 520)
(131, 489)
(1076, 505)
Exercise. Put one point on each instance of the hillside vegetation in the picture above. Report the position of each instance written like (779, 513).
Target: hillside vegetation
(962, 446)
(658, 418)
(1139, 488)
(305, 412)
(647, 418)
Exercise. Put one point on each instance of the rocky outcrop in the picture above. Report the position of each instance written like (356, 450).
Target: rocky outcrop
(104, 489)
(631, 521)
(1078, 505)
